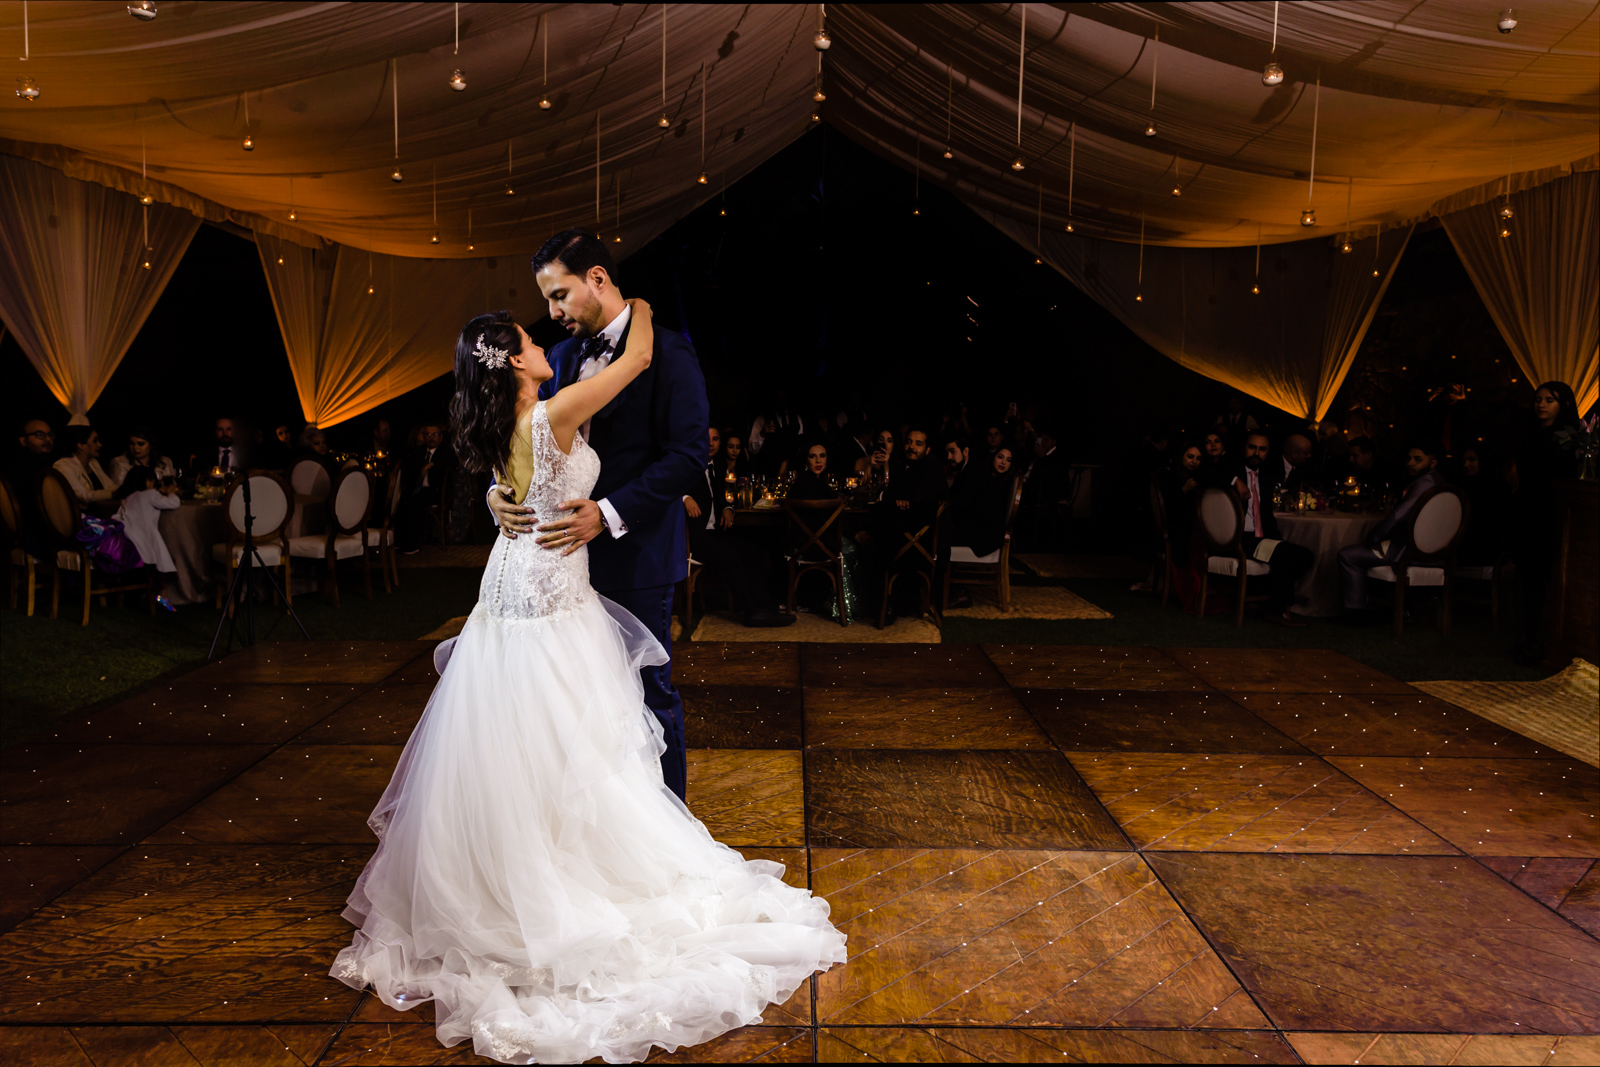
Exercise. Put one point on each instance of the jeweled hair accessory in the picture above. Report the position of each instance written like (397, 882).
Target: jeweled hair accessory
(490, 356)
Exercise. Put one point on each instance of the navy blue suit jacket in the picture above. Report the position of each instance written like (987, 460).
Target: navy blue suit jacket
(651, 440)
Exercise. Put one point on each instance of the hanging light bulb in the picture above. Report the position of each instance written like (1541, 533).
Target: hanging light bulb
(292, 215)
(434, 239)
(1069, 228)
(1347, 247)
(1272, 74)
(1138, 298)
(1150, 129)
(146, 264)
(949, 154)
(1255, 290)
(819, 96)
(1016, 164)
(1177, 190)
(822, 42)
(510, 191)
(146, 199)
(370, 289)
(815, 117)
(1308, 217)
(144, 10)
(1506, 212)
(248, 144)
(703, 179)
(397, 176)
(458, 81)
(544, 103)
(617, 240)
(1507, 22)
(723, 212)
(1505, 231)
(280, 261)
(663, 121)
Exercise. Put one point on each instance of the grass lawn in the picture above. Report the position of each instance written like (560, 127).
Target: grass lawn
(54, 670)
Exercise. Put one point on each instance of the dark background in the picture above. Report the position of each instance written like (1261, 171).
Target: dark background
(812, 275)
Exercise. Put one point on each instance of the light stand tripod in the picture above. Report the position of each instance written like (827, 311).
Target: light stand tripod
(249, 556)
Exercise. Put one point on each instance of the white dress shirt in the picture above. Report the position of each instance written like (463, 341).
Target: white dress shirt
(588, 369)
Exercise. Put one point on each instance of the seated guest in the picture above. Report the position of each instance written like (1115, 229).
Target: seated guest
(1486, 539)
(1180, 492)
(421, 486)
(141, 452)
(740, 564)
(314, 445)
(143, 500)
(1295, 462)
(956, 454)
(382, 437)
(81, 466)
(811, 483)
(1361, 461)
(1043, 485)
(979, 503)
(733, 457)
(1422, 463)
(277, 452)
(994, 438)
(24, 468)
(909, 502)
(1256, 483)
(227, 449)
(1332, 448)
(1215, 468)
(884, 456)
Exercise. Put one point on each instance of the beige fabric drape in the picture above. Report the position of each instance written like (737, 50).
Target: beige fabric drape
(1290, 346)
(72, 288)
(1541, 284)
(350, 350)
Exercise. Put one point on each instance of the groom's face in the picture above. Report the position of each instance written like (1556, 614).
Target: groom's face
(574, 301)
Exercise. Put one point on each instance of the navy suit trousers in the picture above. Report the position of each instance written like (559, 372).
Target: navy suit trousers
(653, 607)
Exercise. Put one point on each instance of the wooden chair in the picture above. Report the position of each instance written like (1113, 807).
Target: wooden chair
(272, 505)
(968, 568)
(1499, 575)
(440, 512)
(1219, 518)
(381, 538)
(816, 543)
(24, 566)
(923, 543)
(311, 484)
(347, 536)
(1430, 538)
(64, 518)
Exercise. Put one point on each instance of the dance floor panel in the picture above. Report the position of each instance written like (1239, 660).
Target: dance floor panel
(1039, 853)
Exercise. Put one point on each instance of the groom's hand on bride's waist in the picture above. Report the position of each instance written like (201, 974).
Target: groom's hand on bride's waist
(512, 518)
(575, 530)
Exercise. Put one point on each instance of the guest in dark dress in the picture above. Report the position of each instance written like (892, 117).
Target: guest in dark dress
(1485, 540)
(732, 457)
(811, 483)
(1216, 469)
(1180, 490)
(979, 503)
(1544, 455)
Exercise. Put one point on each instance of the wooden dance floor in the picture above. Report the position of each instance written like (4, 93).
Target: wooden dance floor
(1039, 853)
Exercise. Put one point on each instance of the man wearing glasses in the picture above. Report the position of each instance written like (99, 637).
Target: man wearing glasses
(24, 467)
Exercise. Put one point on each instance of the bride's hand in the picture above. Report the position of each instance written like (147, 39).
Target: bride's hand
(640, 307)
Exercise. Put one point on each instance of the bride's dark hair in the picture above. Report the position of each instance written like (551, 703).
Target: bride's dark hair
(483, 409)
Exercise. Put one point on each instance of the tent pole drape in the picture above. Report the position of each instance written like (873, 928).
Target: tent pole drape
(350, 350)
(1353, 298)
(1542, 283)
(72, 286)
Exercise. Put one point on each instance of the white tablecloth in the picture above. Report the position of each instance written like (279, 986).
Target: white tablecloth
(1324, 533)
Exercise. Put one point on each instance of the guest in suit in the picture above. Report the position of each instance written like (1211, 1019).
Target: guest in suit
(1381, 545)
(228, 450)
(811, 483)
(956, 456)
(713, 544)
(25, 467)
(141, 452)
(1217, 468)
(652, 445)
(1043, 486)
(1361, 461)
(142, 500)
(1235, 423)
(909, 502)
(427, 470)
(1256, 482)
(81, 467)
(1293, 463)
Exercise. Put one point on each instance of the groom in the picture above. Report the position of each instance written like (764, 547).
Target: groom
(651, 444)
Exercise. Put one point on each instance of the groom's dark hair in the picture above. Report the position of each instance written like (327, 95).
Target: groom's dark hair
(576, 250)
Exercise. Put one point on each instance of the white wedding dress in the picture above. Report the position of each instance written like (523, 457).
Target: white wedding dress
(534, 877)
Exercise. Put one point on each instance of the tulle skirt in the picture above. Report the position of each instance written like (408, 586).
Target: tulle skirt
(539, 883)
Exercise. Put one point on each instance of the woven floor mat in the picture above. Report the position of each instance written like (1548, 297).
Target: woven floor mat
(1562, 711)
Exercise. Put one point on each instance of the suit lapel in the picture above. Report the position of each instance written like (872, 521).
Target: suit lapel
(611, 407)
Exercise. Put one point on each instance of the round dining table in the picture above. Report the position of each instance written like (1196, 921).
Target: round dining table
(190, 530)
(1323, 532)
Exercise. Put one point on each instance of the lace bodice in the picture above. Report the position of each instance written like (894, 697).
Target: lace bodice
(523, 579)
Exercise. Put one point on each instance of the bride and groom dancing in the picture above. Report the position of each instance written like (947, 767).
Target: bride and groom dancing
(538, 877)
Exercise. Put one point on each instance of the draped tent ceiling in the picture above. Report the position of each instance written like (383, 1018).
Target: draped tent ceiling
(1423, 109)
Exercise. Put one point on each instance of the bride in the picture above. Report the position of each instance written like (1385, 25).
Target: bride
(534, 877)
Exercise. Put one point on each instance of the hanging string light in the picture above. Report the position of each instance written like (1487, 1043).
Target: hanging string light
(470, 245)
(1272, 74)
(144, 10)
(27, 88)
(1177, 177)
(663, 121)
(1377, 243)
(1138, 294)
(370, 289)
(1308, 217)
(292, 215)
(1349, 192)
(144, 191)
(1505, 209)
(949, 108)
(435, 239)
(544, 85)
(1072, 168)
(1022, 53)
(702, 179)
(1155, 68)
(1255, 287)
(616, 237)
(822, 42)
(817, 95)
(145, 209)
(916, 178)
(394, 65)
(511, 189)
(458, 81)
(597, 171)
(248, 144)
(1038, 227)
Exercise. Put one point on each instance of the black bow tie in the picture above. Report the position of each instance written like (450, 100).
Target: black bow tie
(596, 347)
